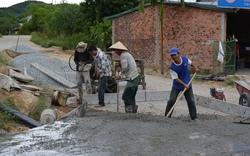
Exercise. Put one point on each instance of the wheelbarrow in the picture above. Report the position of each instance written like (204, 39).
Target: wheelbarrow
(243, 87)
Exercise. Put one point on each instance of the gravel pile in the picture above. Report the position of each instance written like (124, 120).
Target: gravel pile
(23, 49)
(55, 65)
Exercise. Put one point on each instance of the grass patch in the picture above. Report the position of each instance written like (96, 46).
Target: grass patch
(7, 120)
(41, 105)
(3, 60)
(66, 42)
(230, 80)
(11, 103)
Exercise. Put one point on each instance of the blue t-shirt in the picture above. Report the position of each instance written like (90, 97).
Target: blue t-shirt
(182, 72)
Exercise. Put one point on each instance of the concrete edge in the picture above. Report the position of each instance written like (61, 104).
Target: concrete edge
(223, 106)
(114, 98)
(77, 112)
(141, 96)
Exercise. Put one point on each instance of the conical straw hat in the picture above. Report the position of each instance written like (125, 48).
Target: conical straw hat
(118, 45)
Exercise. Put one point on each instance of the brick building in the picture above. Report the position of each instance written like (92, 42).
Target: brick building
(192, 29)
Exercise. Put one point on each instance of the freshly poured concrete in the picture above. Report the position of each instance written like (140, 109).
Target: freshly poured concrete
(106, 132)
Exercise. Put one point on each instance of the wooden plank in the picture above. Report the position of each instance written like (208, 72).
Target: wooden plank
(31, 87)
(54, 76)
(20, 76)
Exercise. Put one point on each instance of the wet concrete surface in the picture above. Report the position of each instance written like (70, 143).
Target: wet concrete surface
(106, 133)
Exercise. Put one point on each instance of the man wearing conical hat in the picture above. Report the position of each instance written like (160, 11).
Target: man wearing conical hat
(81, 58)
(130, 73)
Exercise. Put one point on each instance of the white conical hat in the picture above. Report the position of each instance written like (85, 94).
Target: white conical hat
(118, 45)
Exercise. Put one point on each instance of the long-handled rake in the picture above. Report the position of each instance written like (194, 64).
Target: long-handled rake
(171, 110)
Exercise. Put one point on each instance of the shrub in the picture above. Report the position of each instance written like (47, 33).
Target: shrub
(40, 106)
(66, 42)
(3, 60)
(8, 120)
(230, 80)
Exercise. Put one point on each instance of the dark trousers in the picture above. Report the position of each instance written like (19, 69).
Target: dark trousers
(189, 96)
(103, 88)
(130, 91)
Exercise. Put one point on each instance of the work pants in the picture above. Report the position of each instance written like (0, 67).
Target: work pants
(80, 81)
(103, 88)
(189, 96)
(130, 91)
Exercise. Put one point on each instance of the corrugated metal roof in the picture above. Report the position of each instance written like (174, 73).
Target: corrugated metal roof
(202, 5)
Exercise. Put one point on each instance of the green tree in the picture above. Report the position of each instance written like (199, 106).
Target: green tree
(8, 25)
(95, 10)
(38, 20)
(38, 13)
(160, 4)
(25, 29)
(101, 33)
(8, 22)
(64, 20)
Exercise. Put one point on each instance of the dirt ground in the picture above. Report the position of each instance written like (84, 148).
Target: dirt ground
(107, 132)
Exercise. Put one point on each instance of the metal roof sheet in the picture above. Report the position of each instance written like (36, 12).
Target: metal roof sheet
(202, 5)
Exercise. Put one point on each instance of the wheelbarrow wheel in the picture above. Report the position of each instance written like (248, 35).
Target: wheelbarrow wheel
(244, 99)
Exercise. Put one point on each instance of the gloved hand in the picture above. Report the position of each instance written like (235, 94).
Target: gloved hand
(81, 66)
(81, 63)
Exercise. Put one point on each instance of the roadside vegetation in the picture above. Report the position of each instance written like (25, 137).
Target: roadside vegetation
(42, 104)
(230, 80)
(7, 120)
(3, 60)
(65, 24)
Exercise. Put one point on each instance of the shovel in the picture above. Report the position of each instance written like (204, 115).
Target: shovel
(172, 109)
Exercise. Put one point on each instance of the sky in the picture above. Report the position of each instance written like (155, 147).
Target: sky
(7, 3)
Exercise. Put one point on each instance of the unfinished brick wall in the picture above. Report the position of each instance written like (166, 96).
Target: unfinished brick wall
(192, 30)
(137, 32)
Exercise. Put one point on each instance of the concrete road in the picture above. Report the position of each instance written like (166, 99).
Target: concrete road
(9, 41)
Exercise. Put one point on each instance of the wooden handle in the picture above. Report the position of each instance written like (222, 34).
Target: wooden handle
(168, 115)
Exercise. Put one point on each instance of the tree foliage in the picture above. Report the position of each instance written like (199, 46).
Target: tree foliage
(95, 10)
(62, 20)
(101, 33)
(7, 26)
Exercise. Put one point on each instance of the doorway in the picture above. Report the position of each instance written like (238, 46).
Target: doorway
(238, 26)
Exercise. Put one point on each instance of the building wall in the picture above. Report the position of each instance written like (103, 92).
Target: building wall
(192, 30)
(137, 32)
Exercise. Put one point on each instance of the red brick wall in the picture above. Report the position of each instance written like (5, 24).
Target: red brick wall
(137, 32)
(191, 30)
